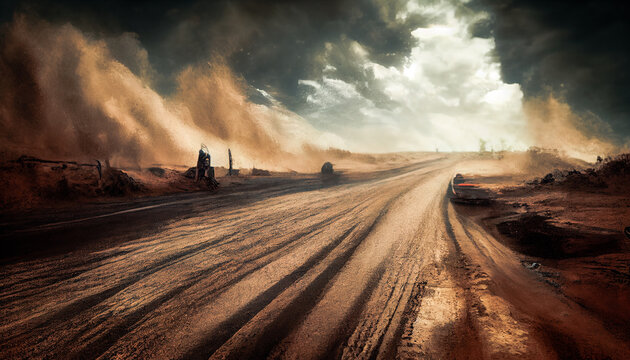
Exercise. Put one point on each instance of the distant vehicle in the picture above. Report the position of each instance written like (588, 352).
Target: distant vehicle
(464, 190)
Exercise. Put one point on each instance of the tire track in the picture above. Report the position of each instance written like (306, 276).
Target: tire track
(330, 342)
(303, 234)
(409, 314)
(74, 309)
(118, 311)
(307, 298)
(106, 339)
(297, 309)
(383, 320)
(350, 321)
(230, 326)
(71, 272)
(263, 348)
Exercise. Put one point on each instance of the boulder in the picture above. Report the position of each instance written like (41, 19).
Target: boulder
(327, 168)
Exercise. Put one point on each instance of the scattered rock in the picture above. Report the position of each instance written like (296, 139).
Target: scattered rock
(533, 266)
(157, 171)
(190, 173)
(260, 172)
(118, 183)
(548, 179)
(612, 173)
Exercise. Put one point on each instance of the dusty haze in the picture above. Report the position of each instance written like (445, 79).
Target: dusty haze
(65, 96)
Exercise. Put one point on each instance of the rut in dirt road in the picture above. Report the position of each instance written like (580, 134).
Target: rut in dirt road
(252, 274)
(376, 267)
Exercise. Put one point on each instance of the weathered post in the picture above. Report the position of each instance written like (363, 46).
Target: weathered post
(230, 159)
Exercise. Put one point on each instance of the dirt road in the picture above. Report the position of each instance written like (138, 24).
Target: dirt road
(377, 265)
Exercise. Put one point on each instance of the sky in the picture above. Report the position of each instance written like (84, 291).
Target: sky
(366, 76)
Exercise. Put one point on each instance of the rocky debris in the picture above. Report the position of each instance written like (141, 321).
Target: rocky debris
(537, 159)
(327, 168)
(190, 173)
(533, 266)
(549, 277)
(618, 165)
(260, 172)
(612, 173)
(547, 179)
(117, 183)
(157, 171)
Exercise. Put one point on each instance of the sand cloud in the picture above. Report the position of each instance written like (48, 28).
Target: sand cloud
(66, 96)
(67, 93)
(552, 124)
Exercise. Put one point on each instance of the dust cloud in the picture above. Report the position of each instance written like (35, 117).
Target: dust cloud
(68, 95)
(65, 96)
(553, 125)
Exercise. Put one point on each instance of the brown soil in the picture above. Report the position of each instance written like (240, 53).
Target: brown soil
(29, 183)
(571, 236)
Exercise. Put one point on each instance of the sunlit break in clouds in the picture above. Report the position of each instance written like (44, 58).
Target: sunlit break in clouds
(448, 93)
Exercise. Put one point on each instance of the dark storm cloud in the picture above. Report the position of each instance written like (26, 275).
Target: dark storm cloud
(579, 50)
(272, 44)
(277, 45)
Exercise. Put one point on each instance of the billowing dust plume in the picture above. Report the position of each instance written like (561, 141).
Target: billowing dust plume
(557, 139)
(553, 125)
(65, 96)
